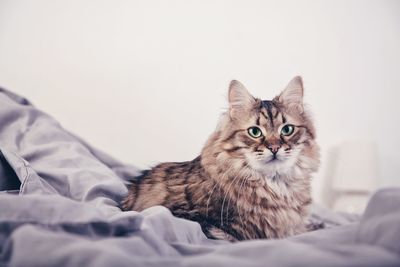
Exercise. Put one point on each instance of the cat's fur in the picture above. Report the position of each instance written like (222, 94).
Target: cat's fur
(236, 189)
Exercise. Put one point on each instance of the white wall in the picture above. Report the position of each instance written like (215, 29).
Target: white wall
(146, 80)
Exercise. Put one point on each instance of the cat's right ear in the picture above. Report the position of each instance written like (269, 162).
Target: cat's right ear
(240, 100)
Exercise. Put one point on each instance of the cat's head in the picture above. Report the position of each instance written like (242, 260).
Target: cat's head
(268, 137)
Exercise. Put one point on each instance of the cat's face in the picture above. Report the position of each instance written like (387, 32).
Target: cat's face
(268, 136)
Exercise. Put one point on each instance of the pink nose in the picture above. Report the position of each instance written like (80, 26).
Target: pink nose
(274, 148)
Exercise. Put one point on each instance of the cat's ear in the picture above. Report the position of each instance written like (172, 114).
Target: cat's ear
(292, 96)
(240, 100)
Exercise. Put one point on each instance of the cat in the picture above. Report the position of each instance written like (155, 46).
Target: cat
(252, 178)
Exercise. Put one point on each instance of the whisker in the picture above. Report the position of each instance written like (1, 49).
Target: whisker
(229, 200)
(209, 197)
(240, 190)
(223, 202)
(237, 203)
(240, 217)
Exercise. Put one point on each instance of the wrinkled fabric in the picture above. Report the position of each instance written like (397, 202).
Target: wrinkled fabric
(59, 207)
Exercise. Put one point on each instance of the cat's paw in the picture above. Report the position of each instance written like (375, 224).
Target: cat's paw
(216, 233)
(312, 225)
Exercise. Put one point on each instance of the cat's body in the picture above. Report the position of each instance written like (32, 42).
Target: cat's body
(252, 179)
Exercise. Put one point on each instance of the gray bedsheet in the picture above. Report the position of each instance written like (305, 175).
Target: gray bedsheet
(58, 207)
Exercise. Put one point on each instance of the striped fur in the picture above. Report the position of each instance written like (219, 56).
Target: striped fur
(237, 189)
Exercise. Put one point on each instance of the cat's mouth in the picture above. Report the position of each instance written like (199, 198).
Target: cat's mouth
(267, 164)
(273, 159)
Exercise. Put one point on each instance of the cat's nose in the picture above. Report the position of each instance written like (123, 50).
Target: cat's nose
(274, 148)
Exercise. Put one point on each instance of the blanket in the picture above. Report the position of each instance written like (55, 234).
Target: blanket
(59, 207)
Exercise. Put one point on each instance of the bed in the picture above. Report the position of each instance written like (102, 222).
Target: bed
(59, 207)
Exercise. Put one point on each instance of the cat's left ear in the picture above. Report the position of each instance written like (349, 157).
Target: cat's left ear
(240, 100)
(292, 96)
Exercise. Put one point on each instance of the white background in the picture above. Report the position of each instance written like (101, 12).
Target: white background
(147, 80)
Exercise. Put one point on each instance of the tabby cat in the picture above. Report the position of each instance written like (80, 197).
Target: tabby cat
(252, 179)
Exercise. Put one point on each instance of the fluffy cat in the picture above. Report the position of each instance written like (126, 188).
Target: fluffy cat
(252, 179)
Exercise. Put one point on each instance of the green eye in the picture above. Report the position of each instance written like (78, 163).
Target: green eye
(287, 130)
(254, 132)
